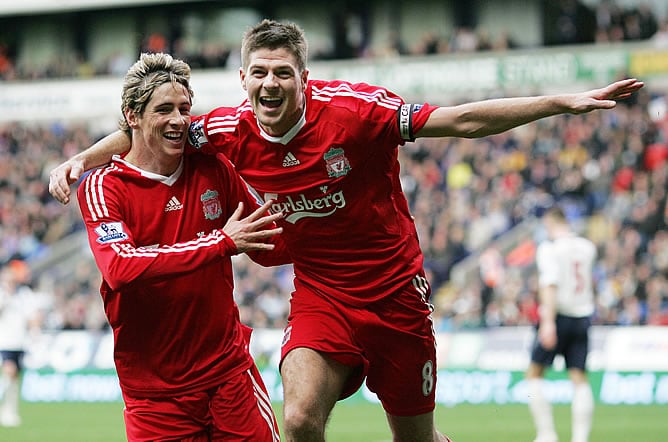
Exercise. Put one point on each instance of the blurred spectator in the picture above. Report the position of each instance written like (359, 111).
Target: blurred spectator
(6, 64)
(154, 43)
(118, 64)
(492, 275)
(466, 40)
(660, 38)
(395, 47)
(568, 22)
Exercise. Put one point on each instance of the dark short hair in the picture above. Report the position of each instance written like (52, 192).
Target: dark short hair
(271, 34)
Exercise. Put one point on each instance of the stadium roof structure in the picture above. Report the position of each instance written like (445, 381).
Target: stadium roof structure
(28, 7)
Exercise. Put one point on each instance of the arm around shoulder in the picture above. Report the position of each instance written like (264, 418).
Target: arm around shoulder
(68, 172)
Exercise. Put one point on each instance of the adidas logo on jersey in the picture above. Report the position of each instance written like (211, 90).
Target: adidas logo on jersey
(173, 204)
(290, 160)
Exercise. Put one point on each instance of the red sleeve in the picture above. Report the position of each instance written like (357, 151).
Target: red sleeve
(411, 118)
(373, 112)
(119, 260)
(214, 132)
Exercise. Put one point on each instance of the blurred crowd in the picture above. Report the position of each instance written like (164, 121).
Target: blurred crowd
(564, 22)
(608, 169)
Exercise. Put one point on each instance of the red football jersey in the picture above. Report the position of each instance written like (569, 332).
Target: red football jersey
(167, 274)
(335, 175)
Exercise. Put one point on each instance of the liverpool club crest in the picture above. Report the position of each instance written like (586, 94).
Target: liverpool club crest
(211, 204)
(336, 162)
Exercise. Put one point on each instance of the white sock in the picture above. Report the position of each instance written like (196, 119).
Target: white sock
(10, 401)
(582, 412)
(3, 384)
(541, 411)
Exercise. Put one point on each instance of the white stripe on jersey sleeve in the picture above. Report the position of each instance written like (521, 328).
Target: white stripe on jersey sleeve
(94, 194)
(226, 123)
(125, 250)
(344, 90)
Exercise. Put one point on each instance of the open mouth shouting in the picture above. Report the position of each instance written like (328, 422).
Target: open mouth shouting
(271, 102)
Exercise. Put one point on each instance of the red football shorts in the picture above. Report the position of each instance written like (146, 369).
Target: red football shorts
(390, 342)
(238, 410)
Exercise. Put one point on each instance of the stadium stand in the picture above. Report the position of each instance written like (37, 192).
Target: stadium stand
(189, 30)
(475, 201)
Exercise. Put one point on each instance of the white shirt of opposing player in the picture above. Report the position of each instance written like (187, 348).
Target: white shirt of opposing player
(567, 262)
(16, 310)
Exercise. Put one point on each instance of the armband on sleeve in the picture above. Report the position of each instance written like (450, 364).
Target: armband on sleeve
(405, 121)
(196, 136)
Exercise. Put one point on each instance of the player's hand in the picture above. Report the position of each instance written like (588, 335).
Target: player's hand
(604, 98)
(62, 176)
(248, 233)
(547, 335)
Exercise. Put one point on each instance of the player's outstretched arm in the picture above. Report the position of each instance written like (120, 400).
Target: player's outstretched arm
(68, 172)
(481, 118)
(248, 233)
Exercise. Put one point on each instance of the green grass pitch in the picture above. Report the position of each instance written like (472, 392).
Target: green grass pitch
(359, 422)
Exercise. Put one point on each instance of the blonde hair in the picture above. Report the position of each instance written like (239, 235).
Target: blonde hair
(143, 77)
